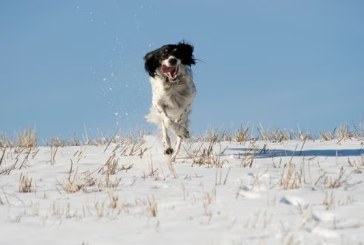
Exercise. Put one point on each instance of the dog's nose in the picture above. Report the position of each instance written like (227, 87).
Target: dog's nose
(172, 61)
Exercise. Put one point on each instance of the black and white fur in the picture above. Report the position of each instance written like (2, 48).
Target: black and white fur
(169, 68)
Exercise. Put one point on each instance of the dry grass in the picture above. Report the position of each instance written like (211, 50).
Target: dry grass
(303, 136)
(357, 164)
(248, 158)
(133, 144)
(25, 184)
(137, 149)
(23, 156)
(109, 183)
(243, 134)
(333, 182)
(152, 173)
(2, 156)
(295, 176)
(75, 183)
(71, 185)
(359, 130)
(54, 149)
(329, 201)
(218, 177)
(274, 135)
(343, 132)
(152, 207)
(291, 177)
(128, 147)
(326, 136)
(111, 165)
(207, 200)
(27, 139)
(100, 209)
(113, 200)
(259, 220)
(206, 155)
(118, 139)
(58, 142)
(213, 135)
(5, 141)
(62, 211)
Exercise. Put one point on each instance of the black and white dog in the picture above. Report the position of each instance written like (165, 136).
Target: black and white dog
(169, 68)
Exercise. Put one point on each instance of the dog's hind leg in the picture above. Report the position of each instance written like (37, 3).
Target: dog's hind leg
(179, 130)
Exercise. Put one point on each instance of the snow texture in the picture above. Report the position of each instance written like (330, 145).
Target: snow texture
(250, 193)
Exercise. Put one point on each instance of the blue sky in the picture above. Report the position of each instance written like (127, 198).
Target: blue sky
(67, 66)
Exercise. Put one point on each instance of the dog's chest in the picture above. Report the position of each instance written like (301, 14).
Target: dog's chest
(176, 96)
(179, 96)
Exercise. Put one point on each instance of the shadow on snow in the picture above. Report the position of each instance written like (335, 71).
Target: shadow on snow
(264, 153)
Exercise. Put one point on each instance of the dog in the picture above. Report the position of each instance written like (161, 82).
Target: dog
(173, 91)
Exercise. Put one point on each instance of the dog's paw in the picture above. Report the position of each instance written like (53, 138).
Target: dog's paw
(168, 151)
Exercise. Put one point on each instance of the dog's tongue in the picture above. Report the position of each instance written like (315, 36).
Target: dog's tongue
(171, 72)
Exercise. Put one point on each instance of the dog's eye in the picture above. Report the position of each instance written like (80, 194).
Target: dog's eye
(165, 50)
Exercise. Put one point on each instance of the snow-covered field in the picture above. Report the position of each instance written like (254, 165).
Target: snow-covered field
(255, 192)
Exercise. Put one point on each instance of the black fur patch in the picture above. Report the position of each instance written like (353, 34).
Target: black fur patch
(182, 51)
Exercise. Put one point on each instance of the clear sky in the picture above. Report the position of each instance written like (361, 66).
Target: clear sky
(67, 66)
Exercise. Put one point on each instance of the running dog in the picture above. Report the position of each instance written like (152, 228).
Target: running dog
(169, 68)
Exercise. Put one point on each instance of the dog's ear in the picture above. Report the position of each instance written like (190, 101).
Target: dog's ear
(186, 51)
(151, 63)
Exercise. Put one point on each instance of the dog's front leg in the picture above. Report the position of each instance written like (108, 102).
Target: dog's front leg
(177, 148)
(165, 124)
(178, 129)
(166, 140)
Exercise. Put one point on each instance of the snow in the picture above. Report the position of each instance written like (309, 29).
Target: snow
(258, 192)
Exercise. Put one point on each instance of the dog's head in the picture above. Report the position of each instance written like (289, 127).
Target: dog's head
(167, 60)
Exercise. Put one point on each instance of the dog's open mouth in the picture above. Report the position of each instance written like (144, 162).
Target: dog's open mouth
(170, 71)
